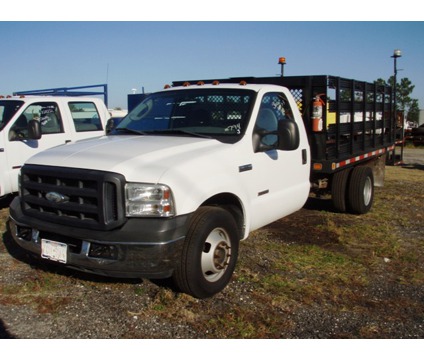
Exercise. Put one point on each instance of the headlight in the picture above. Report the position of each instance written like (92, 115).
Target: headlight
(148, 200)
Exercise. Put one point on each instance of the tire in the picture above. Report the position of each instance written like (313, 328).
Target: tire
(339, 190)
(360, 190)
(209, 253)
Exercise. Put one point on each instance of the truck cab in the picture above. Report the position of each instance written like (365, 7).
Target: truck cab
(30, 124)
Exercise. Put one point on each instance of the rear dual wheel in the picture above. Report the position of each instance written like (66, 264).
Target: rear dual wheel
(209, 254)
(339, 190)
(352, 190)
(361, 190)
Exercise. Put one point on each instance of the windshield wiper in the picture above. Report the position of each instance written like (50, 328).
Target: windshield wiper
(163, 132)
(178, 131)
(132, 131)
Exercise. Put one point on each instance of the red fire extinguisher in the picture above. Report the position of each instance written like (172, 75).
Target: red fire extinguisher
(317, 106)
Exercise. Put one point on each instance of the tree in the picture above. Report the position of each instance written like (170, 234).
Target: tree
(404, 102)
(414, 112)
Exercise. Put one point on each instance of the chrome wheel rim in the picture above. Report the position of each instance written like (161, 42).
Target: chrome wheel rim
(216, 255)
(367, 191)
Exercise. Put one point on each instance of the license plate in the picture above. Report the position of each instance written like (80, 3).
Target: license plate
(53, 250)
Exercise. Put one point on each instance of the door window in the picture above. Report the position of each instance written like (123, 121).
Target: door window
(47, 113)
(85, 116)
(274, 108)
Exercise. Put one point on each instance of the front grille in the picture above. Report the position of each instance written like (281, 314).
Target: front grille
(75, 197)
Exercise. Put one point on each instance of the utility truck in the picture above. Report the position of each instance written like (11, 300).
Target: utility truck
(30, 124)
(196, 167)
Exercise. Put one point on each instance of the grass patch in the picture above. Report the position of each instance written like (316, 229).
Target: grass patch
(311, 274)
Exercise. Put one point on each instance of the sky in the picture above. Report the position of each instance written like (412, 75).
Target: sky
(146, 55)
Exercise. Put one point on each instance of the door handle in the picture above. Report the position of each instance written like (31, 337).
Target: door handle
(304, 157)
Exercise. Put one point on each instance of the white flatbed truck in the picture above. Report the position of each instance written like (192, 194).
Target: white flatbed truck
(193, 169)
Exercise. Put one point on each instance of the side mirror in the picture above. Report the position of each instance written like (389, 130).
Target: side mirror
(34, 130)
(111, 124)
(288, 135)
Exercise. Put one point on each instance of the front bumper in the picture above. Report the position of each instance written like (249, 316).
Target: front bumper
(141, 248)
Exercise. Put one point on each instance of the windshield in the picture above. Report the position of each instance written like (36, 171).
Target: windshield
(215, 113)
(8, 108)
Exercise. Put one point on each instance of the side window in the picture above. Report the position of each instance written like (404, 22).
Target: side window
(278, 104)
(85, 116)
(47, 113)
(274, 108)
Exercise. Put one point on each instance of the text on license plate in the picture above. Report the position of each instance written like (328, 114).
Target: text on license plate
(53, 250)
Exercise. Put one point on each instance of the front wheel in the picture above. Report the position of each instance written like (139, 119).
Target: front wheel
(209, 254)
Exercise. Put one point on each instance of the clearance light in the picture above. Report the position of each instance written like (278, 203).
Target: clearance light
(186, 84)
(200, 83)
(216, 82)
(317, 166)
(167, 86)
(243, 83)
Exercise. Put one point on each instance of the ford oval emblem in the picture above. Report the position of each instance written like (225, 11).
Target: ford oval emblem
(56, 197)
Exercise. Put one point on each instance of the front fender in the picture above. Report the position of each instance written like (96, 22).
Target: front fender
(196, 184)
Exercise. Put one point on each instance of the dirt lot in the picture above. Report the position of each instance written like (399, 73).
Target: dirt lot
(314, 274)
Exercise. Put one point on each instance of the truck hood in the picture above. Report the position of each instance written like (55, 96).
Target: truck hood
(128, 155)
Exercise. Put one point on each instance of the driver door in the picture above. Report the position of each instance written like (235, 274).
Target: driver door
(281, 177)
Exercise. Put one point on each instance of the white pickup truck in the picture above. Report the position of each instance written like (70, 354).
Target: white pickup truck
(190, 172)
(30, 124)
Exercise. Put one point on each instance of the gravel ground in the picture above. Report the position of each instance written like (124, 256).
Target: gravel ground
(42, 302)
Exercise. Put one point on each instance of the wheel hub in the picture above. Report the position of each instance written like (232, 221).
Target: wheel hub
(221, 256)
(216, 255)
